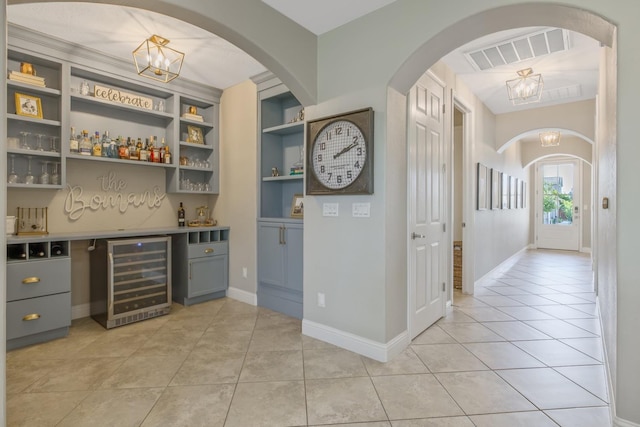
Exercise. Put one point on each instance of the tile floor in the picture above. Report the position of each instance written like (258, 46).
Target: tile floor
(524, 351)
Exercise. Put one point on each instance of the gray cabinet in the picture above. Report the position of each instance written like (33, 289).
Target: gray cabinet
(203, 274)
(38, 292)
(280, 266)
(280, 178)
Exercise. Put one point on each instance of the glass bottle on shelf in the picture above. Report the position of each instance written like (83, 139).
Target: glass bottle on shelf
(74, 144)
(85, 144)
(97, 145)
(123, 151)
(167, 155)
(181, 219)
(106, 144)
(113, 148)
(131, 145)
(143, 154)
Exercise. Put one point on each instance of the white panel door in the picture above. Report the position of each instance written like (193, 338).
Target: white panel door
(427, 164)
(558, 207)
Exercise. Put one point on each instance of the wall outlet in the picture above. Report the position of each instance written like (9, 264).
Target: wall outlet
(321, 301)
(244, 272)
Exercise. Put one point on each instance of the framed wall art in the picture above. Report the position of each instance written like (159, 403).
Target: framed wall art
(496, 196)
(483, 187)
(29, 106)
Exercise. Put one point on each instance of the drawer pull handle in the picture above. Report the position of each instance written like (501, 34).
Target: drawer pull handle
(30, 280)
(208, 251)
(29, 317)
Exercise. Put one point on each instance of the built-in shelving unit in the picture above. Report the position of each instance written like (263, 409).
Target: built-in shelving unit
(193, 169)
(280, 237)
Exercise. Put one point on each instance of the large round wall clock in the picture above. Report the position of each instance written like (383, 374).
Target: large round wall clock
(340, 154)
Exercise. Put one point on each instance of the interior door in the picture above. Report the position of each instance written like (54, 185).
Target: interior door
(427, 164)
(558, 207)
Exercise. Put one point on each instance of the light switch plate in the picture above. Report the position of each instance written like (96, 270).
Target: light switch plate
(329, 209)
(361, 210)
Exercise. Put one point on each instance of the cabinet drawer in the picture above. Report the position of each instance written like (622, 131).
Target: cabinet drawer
(207, 249)
(48, 313)
(38, 278)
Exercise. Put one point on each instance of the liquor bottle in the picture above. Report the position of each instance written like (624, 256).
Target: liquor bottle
(143, 153)
(97, 145)
(138, 148)
(132, 149)
(180, 216)
(106, 144)
(167, 154)
(123, 150)
(85, 144)
(113, 148)
(73, 141)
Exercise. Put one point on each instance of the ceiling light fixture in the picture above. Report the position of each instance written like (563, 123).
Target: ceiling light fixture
(550, 138)
(155, 60)
(525, 89)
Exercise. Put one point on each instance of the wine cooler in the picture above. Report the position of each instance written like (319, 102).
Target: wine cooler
(130, 280)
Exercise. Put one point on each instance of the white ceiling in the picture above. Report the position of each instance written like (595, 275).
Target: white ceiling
(215, 62)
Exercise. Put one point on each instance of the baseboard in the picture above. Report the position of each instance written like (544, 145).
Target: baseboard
(506, 264)
(363, 346)
(81, 310)
(619, 422)
(242, 296)
(586, 250)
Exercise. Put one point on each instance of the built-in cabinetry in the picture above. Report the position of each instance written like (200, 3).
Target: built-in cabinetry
(88, 99)
(38, 291)
(33, 143)
(203, 274)
(280, 150)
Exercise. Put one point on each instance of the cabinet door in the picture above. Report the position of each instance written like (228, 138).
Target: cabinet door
(294, 259)
(206, 275)
(271, 254)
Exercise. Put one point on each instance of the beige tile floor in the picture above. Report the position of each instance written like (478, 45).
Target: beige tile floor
(524, 351)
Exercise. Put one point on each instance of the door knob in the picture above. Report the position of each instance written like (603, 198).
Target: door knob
(415, 236)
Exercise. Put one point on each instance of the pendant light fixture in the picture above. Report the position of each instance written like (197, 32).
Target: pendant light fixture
(155, 60)
(525, 89)
(550, 138)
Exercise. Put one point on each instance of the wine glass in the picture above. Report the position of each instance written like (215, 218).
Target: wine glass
(55, 176)
(24, 140)
(45, 177)
(13, 176)
(53, 144)
(39, 137)
(29, 178)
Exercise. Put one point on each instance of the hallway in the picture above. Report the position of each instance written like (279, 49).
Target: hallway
(524, 351)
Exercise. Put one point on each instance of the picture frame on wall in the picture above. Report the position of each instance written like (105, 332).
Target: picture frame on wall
(297, 206)
(513, 192)
(504, 188)
(483, 187)
(28, 106)
(496, 196)
(522, 194)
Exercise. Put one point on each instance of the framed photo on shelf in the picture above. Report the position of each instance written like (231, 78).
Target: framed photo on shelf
(496, 196)
(194, 135)
(483, 187)
(28, 106)
(297, 206)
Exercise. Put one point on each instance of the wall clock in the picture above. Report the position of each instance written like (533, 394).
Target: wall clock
(340, 154)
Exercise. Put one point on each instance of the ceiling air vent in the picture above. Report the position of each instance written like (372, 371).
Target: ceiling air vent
(519, 49)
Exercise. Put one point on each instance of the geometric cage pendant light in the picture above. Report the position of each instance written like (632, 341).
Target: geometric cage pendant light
(550, 138)
(155, 60)
(525, 89)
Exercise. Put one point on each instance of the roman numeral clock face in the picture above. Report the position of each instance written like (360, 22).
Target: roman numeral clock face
(341, 154)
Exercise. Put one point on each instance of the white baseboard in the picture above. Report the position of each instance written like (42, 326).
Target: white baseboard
(619, 422)
(506, 264)
(81, 310)
(242, 296)
(363, 346)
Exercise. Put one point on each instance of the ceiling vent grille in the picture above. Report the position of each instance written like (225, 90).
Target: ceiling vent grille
(519, 49)
(561, 93)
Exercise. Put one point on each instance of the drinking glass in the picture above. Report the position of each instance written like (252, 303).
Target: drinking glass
(29, 178)
(45, 177)
(24, 140)
(53, 144)
(13, 176)
(55, 176)
(39, 137)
